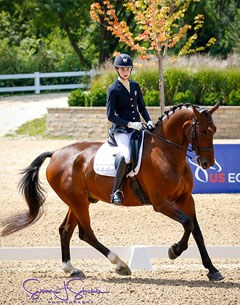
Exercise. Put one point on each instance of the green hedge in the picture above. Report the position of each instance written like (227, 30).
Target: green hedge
(203, 86)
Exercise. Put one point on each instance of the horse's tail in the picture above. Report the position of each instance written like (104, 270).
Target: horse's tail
(34, 195)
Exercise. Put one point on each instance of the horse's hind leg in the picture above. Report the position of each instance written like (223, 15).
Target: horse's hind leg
(66, 231)
(89, 237)
(86, 234)
(214, 274)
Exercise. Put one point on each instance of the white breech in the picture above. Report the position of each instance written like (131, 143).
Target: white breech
(123, 142)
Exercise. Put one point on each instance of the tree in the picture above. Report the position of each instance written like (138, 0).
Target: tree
(47, 21)
(159, 26)
(39, 20)
(72, 18)
(221, 21)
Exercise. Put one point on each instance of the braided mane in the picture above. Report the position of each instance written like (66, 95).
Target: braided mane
(172, 110)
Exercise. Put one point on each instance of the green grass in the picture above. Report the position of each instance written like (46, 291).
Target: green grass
(35, 128)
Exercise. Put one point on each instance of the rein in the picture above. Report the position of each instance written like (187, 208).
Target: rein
(194, 147)
(175, 145)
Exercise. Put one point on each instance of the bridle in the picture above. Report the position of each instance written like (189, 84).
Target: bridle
(193, 136)
(194, 144)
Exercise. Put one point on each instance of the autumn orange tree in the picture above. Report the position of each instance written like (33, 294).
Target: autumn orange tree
(159, 26)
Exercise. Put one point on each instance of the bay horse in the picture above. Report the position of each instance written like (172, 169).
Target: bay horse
(165, 177)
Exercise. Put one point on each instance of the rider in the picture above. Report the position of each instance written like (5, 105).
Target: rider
(124, 105)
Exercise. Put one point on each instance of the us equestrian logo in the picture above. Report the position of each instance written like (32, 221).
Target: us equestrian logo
(214, 174)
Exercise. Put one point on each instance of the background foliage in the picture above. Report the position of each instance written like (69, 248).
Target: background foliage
(185, 82)
(55, 35)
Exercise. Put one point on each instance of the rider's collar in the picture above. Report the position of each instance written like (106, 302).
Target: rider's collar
(125, 83)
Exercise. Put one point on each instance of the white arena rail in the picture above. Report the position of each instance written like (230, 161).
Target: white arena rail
(37, 87)
(139, 255)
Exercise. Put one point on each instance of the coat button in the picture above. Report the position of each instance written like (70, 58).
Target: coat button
(132, 105)
(131, 99)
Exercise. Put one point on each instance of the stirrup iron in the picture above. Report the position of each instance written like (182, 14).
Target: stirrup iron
(117, 197)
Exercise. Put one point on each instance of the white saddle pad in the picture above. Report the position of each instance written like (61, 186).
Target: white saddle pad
(105, 158)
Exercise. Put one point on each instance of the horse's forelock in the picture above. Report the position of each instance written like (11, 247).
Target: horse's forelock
(204, 111)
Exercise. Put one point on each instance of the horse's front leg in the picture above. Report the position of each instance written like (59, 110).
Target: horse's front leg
(214, 274)
(176, 249)
(172, 210)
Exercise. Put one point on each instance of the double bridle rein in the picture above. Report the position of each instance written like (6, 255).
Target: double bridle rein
(194, 146)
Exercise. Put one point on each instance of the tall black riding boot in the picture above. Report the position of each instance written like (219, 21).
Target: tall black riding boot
(117, 194)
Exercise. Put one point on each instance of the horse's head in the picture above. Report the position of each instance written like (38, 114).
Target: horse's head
(202, 132)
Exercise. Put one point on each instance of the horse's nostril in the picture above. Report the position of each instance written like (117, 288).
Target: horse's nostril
(205, 165)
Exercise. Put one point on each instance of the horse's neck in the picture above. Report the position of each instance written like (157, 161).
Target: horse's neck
(174, 127)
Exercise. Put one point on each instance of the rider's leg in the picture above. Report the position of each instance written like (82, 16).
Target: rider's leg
(123, 141)
(117, 194)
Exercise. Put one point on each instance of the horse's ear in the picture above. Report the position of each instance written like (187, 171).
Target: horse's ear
(215, 107)
(196, 112)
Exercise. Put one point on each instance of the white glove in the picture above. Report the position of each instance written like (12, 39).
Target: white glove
(135, 125)
(150, 125)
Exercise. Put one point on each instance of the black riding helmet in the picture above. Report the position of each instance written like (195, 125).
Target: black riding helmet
(123, 60)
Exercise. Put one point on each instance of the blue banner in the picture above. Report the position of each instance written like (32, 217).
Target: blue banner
(224, 176)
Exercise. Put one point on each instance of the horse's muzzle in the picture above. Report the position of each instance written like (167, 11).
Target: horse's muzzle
(204, 163)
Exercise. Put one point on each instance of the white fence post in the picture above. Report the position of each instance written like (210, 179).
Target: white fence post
(37, 83)
(92, 73)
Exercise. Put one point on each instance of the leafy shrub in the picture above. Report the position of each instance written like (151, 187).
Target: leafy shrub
(234, 97)
(147, 79)
(210, 98)
(98, 97)
(175, 80)
(233, 81)
(77, 98)
(151, 98)
(103, 80)
(203, 86)
(210, 84)
(184, 97)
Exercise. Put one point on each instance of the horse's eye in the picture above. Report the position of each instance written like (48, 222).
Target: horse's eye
(212, 128)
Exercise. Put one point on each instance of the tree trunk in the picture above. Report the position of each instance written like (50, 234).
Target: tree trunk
(72, 40)
(161, 84)
(102, 56)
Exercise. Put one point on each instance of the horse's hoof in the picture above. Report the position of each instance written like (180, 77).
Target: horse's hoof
(123, 270)
(171, 253)
(77, 273)
(215, 276)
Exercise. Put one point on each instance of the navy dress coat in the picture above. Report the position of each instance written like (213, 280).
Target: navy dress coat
(124, 106)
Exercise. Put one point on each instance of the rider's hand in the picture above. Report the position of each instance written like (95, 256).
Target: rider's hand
(135, 125)
(150, 125)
